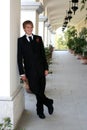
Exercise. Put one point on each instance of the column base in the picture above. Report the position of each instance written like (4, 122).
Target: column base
(12, 107)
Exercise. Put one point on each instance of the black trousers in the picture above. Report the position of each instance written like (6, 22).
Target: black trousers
(41, 101)
(41, 98)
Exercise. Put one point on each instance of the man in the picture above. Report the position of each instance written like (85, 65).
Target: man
(33, 67)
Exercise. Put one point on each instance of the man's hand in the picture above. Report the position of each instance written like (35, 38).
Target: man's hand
(26, 83)
(24, 78)
(46, 72)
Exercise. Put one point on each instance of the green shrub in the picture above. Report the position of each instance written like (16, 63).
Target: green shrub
(6, 124)
(48, 53)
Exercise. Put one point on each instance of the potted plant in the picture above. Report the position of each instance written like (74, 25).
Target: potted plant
(48, 53)
(70, 34)
(79, 45)
(83, 35)
(84, 56)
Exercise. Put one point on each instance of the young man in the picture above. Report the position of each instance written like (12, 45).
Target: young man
(33, 67)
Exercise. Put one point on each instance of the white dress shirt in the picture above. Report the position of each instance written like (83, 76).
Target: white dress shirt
(27, 37)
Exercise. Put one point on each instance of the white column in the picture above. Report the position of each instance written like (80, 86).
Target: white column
(46, 37)
(46, 33)
(53, 38)
(42, 20)
(31, 11)
(49, 37)
(4, 49)
(11, 93)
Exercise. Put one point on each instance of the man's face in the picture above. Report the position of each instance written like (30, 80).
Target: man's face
(28, 29)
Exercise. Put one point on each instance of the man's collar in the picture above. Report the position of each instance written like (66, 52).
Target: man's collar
(29, 35)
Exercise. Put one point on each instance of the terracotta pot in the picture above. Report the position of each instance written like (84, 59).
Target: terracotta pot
(78, 56)
(84, 60)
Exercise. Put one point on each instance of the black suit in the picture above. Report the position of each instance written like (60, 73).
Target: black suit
(32, 56)
(34, 61)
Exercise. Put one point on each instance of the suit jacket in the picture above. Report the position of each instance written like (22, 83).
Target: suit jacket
(32, 60)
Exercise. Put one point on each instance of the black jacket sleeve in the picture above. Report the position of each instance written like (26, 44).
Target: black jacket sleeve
(20, 57)
(43, 55)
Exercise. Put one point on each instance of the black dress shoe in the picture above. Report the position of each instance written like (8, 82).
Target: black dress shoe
(51, 101)
(42, 116)
(50, 108)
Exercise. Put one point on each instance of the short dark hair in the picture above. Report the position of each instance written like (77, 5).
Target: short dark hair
(27, 22)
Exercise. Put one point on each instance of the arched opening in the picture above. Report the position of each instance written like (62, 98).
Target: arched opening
(60, 42)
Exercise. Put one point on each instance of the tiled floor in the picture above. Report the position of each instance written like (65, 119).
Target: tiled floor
(67, 85)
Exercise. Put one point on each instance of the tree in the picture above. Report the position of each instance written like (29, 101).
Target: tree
(83, 33)
(70, 33)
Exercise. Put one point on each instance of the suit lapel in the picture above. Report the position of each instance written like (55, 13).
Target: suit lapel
(24, 39)
(33, 38)
(27, 42)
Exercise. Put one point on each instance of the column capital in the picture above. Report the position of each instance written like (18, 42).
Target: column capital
(32, 6)
(53, 32)
(43, 18)
(47, 24)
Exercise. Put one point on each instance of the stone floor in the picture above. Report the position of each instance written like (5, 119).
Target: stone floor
(67, 85)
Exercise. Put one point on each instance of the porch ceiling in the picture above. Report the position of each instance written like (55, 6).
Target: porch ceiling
(56, 12)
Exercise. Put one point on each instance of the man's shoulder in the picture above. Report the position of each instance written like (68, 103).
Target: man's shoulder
(37, 36)
(22, 37)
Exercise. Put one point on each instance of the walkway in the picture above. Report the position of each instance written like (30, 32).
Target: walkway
(68, 87)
